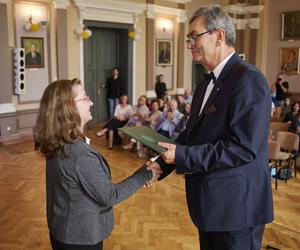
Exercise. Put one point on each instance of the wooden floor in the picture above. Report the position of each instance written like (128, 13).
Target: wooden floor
(152, 219)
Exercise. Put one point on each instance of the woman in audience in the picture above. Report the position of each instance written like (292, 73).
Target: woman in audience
(120, 118)
(80, 193)
(295, 108)
(161, 104)
(286, 107)
(136, 117)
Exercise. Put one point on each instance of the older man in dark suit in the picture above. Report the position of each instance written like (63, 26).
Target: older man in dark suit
(223, 150)
(33, 57)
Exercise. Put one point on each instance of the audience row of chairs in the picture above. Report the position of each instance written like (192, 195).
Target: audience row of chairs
(283, 149)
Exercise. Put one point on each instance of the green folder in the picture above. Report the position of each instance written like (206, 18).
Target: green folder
(147, 136)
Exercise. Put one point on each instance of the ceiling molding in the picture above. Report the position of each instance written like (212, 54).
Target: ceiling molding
(242, 9)
(179, 1)
(156, 10)
(61, 4)
(109, 10)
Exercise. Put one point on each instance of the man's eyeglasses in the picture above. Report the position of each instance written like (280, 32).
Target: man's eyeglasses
(86, 98)
(192, 38)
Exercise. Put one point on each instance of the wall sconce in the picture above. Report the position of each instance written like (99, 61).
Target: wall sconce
(165, 25)
(31, 26)
(135, 34)
(83, 32)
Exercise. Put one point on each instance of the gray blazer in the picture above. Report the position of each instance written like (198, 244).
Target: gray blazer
(80, 194)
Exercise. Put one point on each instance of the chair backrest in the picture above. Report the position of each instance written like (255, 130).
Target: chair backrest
(274, 149)
(277, 112)
(288, 140)
(279, 126)
(276, 119)
(270, 137)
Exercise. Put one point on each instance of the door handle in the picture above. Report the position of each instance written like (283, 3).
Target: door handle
(100, 86)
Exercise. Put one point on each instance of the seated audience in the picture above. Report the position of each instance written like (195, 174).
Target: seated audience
(180, 104)
(161, 104)
(295, 109)
(286, 107)
(138, 113)
(121, 115)
(171, 119)
(167, 127)
(187, 97)
(155, 116)
(182, 124)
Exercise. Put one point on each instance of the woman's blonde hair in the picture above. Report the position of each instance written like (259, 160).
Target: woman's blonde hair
(58, 119)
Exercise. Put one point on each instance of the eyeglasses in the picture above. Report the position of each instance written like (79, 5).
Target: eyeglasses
(192, 38)
(86, 98)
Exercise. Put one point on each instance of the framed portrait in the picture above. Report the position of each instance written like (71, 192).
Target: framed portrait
(34, 51)
(289, 60)
(164, 49)
(290, 25)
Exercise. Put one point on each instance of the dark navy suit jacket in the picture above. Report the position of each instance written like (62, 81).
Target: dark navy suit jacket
(223, 152)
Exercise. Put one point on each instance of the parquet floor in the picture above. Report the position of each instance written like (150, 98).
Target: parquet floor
(152, 219)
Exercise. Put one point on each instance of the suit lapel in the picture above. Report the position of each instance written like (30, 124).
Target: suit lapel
(235, 59)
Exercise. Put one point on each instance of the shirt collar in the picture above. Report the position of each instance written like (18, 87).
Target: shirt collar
(217, 70)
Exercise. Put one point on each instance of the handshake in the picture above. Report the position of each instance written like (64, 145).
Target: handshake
(156, 172)
(168, 156)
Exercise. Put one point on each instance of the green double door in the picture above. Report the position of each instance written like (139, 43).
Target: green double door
(106, 48)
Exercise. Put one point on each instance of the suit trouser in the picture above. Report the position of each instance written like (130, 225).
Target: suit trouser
(56, 245)
(246, 239)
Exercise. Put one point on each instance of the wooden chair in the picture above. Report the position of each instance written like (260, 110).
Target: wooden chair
(289, 142)
(276, 157)
(270, 134)
(278, 126)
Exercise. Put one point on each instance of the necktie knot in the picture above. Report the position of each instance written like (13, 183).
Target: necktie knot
(211, 76)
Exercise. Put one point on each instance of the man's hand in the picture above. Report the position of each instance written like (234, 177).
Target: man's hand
(169, 155)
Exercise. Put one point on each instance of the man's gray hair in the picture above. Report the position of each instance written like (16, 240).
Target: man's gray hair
(215, 17)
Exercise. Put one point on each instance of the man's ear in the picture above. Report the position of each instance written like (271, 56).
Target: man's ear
(220, 36)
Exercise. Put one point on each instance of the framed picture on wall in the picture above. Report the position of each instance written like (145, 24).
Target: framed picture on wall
(34, 51)
(290, 29)
(164, 50)
(289, 60)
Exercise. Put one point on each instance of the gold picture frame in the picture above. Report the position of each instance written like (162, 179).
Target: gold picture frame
(289, 60)
(164, 52)
(290, 29)
(34, 51)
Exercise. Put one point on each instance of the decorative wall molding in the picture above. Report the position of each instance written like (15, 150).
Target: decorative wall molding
(109, 10)
(155, 10)
(61, 4)
(241, 24)
(244, 10)
(179, 1)
(150, 93)
(7, 108)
